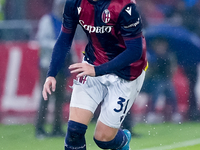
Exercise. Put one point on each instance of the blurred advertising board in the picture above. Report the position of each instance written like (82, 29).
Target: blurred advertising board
(19, 74)
(20, 91)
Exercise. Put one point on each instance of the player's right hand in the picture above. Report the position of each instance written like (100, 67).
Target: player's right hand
(50, 84)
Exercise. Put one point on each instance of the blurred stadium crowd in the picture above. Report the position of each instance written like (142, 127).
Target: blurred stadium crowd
(180, 12)
(180, 101)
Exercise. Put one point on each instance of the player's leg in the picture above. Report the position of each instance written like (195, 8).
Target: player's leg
(116, 104)
(41, 118)
(107, 133)
(77, 125)
(42, 110)
(82, 107)
(112, 138)
(59, 101)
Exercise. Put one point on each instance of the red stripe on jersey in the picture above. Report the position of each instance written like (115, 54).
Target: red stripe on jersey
(65, 30)
(98, 49)
(117, 6)
(88, 13)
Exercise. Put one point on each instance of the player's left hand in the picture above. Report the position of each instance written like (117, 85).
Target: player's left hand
(82, 69)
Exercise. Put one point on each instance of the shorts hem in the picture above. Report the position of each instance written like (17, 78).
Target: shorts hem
(83, 107)
(108, 124)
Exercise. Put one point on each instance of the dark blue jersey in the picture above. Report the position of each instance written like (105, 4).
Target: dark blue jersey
(114, 30)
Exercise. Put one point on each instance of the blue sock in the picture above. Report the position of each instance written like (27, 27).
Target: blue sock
(118, 142)
(75, 138)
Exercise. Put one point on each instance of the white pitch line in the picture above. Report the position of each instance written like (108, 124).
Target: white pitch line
(177, 145)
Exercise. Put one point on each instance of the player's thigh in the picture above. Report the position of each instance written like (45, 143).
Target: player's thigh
(80, 115)
(85, 99)
(104, 132)
(119, 100)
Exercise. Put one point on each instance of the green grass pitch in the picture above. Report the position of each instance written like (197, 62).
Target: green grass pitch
(185, 136)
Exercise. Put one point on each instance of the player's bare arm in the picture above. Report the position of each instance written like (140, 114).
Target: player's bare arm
(82, 69)
(50, 84)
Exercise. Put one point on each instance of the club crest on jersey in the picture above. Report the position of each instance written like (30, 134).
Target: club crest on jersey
(106, 16)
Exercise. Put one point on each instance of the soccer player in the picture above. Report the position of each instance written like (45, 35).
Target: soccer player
(111, 73)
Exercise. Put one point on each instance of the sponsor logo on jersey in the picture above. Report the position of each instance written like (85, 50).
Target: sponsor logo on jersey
(128, 10)
(105, 16)
(133, 24)
(97, 29)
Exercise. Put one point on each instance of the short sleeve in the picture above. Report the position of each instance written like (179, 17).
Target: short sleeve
(70, 15)
(130, 21)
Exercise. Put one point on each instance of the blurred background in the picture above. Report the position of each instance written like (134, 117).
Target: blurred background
(171, 91)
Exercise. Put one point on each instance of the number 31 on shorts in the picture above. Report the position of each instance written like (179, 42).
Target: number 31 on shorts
(123, 105)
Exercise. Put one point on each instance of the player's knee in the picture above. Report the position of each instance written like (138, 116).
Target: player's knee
(106, 144)
(117, 142)
(103, 137)
(75, 134)
(100, 144)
